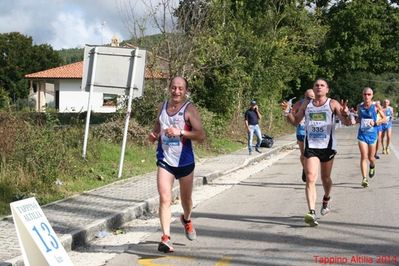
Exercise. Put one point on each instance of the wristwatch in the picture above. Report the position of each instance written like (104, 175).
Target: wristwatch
(182, 133)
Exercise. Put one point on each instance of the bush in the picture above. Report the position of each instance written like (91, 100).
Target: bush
(34, 156)
(4, 99)
(112, 131)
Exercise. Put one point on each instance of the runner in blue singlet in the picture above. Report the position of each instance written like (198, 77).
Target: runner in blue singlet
(387, 127)
(379, 131)
(367, 135)
(300, 129)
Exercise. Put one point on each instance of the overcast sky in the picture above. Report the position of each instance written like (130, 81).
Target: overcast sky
(73, 23)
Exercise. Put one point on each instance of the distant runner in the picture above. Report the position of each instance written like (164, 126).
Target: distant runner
(387, 127)
(379, 131)
(367, 134)
(300, 129)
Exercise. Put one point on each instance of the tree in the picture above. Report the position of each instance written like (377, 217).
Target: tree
(232, 51)
(18, 57)
(362, 37)
(71, 55)
(350, 86)
(255, 49)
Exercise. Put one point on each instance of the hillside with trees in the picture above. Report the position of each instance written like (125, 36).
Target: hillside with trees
(233, 51)
(71, 55)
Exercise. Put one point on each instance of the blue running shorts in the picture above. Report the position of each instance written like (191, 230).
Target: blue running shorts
(385, 127)
(300, 138)
(369, 139)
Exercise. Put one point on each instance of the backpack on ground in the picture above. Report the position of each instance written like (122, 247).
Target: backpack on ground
(267, 141)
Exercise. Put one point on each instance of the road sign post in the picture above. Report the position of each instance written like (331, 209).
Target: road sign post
(114, 70)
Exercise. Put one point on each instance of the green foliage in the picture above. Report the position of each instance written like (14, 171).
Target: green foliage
(104, 161)
(37, 154)
(4, 99)
(145, 42)
(214, 126)
(145, 108)
(362, 37)
(350, 87)
(71, 55)
(45, 155)
(34, 155)
(112, 131)
(274, 51)
(18, 57)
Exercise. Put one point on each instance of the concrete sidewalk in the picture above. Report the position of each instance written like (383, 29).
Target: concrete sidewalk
(78, 219)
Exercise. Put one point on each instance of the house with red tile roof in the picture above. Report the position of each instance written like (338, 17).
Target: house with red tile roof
(60, 88)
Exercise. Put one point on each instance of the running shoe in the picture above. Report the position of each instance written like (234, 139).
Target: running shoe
(365, 182)
(311, 219)
(372, 172)
(325, 207)
(188, 228)
(303, 175)
(165, 245)
(377, 156)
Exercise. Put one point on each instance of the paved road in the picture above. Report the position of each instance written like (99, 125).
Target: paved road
(255, 217)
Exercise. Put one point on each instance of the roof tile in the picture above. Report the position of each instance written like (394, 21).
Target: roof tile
(75, 71)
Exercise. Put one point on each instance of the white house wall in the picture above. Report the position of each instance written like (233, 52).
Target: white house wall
(72, 99)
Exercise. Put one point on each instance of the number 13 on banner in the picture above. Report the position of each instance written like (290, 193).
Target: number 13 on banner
(37, 239)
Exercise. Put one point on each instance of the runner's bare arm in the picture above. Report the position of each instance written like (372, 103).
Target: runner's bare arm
(342, 111)
(197, 131)
(154, 134)
(296, 114)
(300, 113)
(383, 117)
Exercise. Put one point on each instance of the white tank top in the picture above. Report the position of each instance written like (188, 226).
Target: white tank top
(175, 151)
(320, 126)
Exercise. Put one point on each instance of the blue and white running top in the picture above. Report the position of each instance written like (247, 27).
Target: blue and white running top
(367, 132)
(175, 151)
(320, 126)
(389, 114)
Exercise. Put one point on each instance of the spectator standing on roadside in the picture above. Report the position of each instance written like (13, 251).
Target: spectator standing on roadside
(252, 117)
(177, 125)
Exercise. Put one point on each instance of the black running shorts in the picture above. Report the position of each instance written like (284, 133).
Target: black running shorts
(324, 155)
(178, 172)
